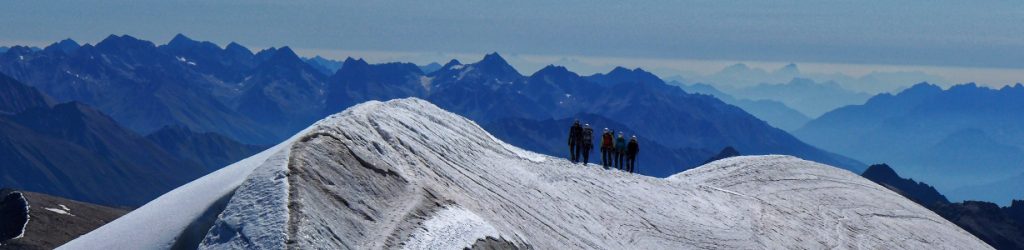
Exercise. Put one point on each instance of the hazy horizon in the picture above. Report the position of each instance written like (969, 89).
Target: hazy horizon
(956, 41)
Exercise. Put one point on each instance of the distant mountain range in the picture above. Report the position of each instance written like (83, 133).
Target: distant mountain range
(74, 151)
(741, 75)
(774, 112)
(1001, 227)
(963, 136)
(805, 95)
(261, 98)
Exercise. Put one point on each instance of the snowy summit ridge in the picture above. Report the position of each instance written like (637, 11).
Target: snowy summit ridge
(407, 174)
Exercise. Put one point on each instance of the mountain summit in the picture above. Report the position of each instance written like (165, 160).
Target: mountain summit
(406, 173)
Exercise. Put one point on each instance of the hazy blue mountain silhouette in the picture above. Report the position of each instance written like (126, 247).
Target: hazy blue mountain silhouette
(805, 95)
(964, 136)
(774, 112)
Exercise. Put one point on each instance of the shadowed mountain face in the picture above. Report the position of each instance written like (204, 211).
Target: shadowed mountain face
(211, 150)
(16, 97)
(964, 136)
(74, 151)
(1003, 228)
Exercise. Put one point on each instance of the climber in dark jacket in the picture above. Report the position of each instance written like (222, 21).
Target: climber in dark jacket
(575, 137)
(607, 146)
(631, 151)
(587, 142)
(620, 150)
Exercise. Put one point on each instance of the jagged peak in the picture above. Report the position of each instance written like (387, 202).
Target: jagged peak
(286, 57)
(286, 52)
(267, 51)
(619, 70)
(67, 46)
(922, 87)
(114, 41)
(234, 45)
(880, 170)
(350, 62)
(493, 58)
(493, 63)
(181, 39)
(552, 69)
(965, 86)
(68, 42)
(451, 63)
(237, 49)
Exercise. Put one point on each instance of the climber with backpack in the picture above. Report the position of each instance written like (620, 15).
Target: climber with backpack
(631, 151)
(575, 137)
(587, 143)
(607, 145)
(620, 151)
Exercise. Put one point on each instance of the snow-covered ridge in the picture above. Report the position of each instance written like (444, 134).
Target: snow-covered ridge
(406, 174)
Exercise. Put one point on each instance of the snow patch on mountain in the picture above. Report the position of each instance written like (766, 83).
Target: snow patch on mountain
(451, 228)
(64, 210)
(406, 174)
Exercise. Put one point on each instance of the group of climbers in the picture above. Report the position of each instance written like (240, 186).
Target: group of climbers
(615, 152)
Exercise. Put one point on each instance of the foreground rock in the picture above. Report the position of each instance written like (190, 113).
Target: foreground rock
(406, 174)
(52, 220)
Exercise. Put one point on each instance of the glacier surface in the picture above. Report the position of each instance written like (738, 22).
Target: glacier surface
(407, 174)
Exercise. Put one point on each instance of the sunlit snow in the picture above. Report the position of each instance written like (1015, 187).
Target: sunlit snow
(405, 173)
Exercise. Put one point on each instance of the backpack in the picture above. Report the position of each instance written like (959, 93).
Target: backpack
(607, 141)
(588, 136)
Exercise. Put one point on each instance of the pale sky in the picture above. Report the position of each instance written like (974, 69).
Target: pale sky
(962, 41)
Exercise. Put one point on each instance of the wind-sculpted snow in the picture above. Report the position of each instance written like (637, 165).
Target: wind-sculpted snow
(406, 174)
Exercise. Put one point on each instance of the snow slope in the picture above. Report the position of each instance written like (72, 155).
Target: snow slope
(406, 174)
